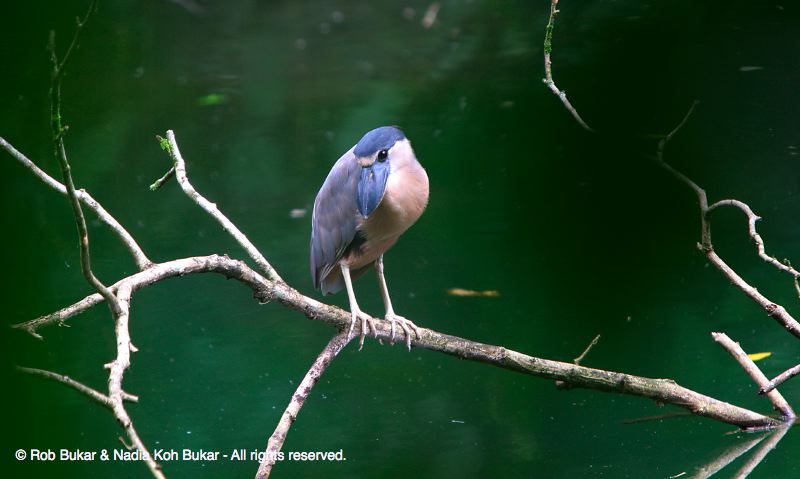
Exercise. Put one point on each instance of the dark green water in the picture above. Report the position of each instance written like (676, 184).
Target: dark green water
(581, 234)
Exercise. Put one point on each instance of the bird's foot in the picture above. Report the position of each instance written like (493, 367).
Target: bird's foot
(366, 322)
(407, 326)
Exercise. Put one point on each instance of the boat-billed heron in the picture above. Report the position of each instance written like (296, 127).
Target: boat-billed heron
(371, 196)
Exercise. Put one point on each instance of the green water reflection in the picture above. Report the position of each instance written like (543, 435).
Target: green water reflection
(580, 233)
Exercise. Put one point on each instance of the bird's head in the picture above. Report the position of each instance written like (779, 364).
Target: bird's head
(379, 145)
(378, 153)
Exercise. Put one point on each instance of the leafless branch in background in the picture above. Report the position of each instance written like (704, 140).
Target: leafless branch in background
(63, 379)
(118, 301)
(755, 373)
(142, 261)
(277, 438)
(171, 147)
(548, 70)
(773, 309)
(780, 379)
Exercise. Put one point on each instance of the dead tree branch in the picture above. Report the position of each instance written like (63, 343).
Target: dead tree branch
(548, 70)
(64, 379)
(579, 358)
(57, 130)
(142, 261)
(118, 301)
(661, 390)
(755, 373)
(780, 379)
(117, 370)
(773, 310)
(171, 147)
(298, 399)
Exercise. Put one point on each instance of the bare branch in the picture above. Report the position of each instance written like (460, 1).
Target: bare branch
(58, 67)
(661, 390)
(83, 233)
(751, 229)
(754, 372)
(160, 182)
(577, 361)
(87, 200)
(774, 310)
(57, 131)
(63, 379)
(275, 443)
(780, 379)
(119, 300)
(171, 146)
(548, 67)
(116, 371)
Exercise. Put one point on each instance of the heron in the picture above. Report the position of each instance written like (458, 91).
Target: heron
(371, 196)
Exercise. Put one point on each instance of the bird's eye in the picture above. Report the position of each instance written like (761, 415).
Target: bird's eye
(382, 155)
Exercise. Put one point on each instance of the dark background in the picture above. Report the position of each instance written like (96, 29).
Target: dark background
(581, 234)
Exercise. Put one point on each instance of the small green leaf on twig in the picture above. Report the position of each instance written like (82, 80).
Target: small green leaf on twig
(164, 144)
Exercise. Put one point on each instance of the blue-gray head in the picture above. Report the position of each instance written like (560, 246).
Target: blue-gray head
(376, 153)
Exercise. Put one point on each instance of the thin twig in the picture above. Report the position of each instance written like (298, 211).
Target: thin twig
(754, 372)
(160, 182)
(58, 67)
(577, 361)
(119, 300)
(660, 390)
(773, 310)
(171, 146)
(751, 229)
(275, 443)
(57, 131)
(780, 379)
(142, 261)
(63, 379)
(548, 67)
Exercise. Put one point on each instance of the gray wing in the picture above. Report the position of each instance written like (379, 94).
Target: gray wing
(333, 222)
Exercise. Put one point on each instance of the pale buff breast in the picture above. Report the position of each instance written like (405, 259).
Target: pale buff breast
(403, 202)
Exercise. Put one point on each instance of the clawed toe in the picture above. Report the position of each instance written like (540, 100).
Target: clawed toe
(367, 322)
(407, 326)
